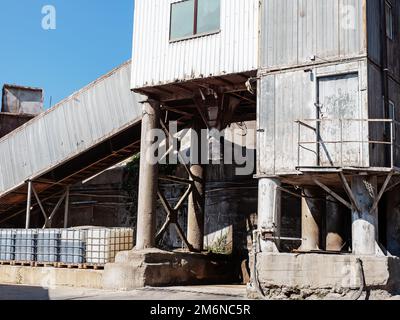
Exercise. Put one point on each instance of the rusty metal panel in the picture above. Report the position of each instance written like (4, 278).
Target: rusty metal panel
(22, 100)
(83, 120)
(308, 31)
(290, 96)
(157, 61)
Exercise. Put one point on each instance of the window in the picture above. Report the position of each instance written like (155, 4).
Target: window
(194, 17)
(389, 21)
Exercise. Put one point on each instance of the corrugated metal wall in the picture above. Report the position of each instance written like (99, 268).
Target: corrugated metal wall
(157, 61)
(83, 120)
(286, 97)
(294, 30)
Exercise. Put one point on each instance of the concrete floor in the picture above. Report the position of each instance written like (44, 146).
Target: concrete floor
(226, 292)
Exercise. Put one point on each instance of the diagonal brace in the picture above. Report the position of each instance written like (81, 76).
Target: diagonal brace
(332, 193)
(381, 192)
(349, 192)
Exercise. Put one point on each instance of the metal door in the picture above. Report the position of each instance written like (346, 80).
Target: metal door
(339, 130)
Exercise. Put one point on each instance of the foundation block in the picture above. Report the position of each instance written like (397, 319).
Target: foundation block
(153, 267)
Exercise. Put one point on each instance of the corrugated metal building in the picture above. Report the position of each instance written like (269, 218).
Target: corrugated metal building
(158, 60)
(321, 64)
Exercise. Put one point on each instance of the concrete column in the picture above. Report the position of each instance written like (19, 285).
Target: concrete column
(269, 212)
(148, 180)
(311, 219)
(196, 209)
(334, 224)
(196, 205)
(365, 224)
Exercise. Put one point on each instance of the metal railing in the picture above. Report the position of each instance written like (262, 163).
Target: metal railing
(388, 130)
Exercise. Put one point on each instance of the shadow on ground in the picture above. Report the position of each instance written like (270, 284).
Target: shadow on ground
(8, 292)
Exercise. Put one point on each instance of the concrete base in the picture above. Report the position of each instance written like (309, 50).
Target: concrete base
(51, 277)
(155, 268)
(298, 276)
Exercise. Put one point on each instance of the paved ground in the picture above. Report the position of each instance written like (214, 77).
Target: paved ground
(171, 293)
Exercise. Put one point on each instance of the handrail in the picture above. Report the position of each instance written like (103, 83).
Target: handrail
(318, 141)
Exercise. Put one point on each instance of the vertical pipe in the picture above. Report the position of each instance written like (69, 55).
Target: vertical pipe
(365, 223)
(196, 205)
(311, 220)
(334, 225)
(269, 213)
(148, 179)
(28, 205)
(66, 208)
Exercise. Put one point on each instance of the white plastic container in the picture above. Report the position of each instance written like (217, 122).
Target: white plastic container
(7, 244)
(103, 244)
(73, 246)
(25, 245)
(47, 245)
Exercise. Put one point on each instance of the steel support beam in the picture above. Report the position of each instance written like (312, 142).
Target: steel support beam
(66, 208)
(28, 205)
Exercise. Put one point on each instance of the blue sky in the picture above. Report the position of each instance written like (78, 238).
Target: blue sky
(91, 38)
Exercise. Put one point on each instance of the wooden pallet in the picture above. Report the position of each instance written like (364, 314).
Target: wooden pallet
(44, 264)
(53, 264)
(23, 263)
(78, 266)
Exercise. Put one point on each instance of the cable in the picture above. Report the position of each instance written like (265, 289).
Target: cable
(256, 281)
(361, 278)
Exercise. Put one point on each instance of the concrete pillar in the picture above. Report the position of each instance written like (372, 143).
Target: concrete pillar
(196, 205)
(269, 212)
(365, 224)
(311, 219)
(334, 224)
(196, 209)
(148, 180)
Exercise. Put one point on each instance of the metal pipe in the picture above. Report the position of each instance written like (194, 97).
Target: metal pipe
(148, 180)
(28, 205)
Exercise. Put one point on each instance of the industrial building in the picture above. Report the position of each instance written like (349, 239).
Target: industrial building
(318, 81)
